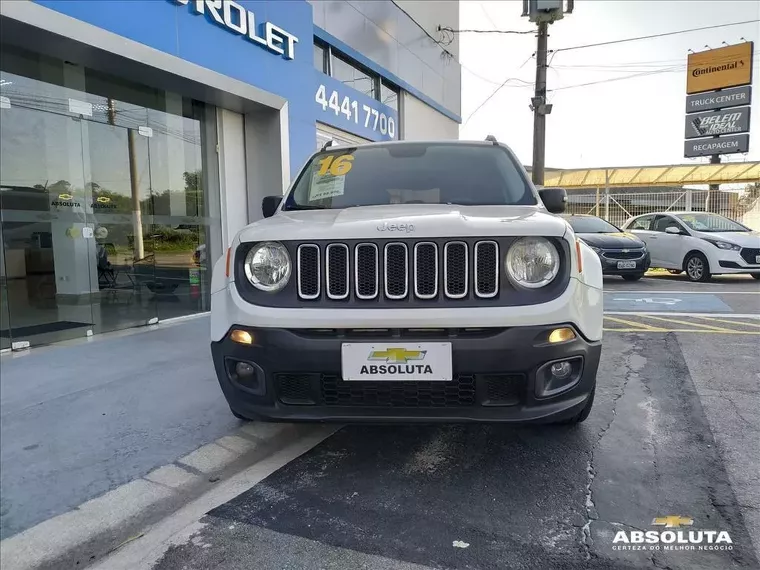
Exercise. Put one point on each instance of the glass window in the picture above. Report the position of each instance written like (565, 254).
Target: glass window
(350, 75)
(642, 223)
(590, 225)
(319, 58)
(704, 222)
(427, 173)
(389, 96)
(77, 252)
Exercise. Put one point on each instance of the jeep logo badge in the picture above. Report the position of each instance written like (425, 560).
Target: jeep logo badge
(386, 227)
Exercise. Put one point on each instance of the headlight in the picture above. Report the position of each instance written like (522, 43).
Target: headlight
(725, 245)
(268, 266)
(532, 262)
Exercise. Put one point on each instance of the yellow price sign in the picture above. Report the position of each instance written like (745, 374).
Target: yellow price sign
(335, 165)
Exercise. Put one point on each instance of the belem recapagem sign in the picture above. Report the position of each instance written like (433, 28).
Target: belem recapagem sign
(238, 20)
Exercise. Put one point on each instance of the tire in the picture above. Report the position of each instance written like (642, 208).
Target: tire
(581, 416)
(675, 271)
(634, 277)
(696, 267)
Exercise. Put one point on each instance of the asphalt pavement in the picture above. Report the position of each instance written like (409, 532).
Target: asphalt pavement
(673, 433)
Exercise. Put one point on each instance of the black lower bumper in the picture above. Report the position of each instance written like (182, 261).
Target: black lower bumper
(500, 375)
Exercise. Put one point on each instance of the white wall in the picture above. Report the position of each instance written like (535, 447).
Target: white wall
(422, 122)
(232, 173)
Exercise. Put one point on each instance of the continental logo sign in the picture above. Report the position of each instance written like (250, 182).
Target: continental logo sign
(728, 66)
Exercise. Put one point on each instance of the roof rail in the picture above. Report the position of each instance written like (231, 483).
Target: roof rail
(328, 144)
(492, 139)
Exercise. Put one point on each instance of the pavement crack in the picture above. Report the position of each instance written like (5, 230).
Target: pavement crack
(738, 412)
(591, 512)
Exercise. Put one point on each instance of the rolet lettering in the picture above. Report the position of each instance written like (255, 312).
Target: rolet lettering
(236, 18)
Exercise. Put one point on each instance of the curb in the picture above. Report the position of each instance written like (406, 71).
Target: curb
(102, 525)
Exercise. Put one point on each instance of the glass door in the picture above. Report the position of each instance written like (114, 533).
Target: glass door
(49, 258)
(117, 167)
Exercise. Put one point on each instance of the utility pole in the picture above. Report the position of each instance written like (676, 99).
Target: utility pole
(543, 13)
(540, 108)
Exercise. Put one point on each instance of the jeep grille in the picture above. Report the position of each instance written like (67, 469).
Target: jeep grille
(396, 270)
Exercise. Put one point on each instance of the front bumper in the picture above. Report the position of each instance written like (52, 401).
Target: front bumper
(727, 262)
(610, 265)
(497, 372)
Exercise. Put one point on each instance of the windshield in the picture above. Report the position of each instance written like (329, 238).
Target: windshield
(591, 225)
(711, 223)
(411, 173)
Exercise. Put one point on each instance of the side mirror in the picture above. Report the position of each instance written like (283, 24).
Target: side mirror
(269, 205)
(673, 230)
(555, 199)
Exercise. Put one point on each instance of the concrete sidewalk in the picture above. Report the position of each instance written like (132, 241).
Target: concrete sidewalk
(79, 419)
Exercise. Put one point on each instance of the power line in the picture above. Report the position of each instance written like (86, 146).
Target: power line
(503, 32)
(483, 9)
(662, 35)
(610, 80)
(499, 88)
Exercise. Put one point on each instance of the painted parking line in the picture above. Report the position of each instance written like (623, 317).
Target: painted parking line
(648, 323)
(635, 302)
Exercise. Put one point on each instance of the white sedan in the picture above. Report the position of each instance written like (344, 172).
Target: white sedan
(700, 243)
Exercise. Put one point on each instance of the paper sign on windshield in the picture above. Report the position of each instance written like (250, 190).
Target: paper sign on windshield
(326, 186)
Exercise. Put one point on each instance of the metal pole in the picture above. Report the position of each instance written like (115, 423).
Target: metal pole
(539, 106)
(714, 189)
(606, 194)
(139, 248)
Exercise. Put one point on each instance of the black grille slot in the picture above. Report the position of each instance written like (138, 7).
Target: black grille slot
(460, 392)
(630, 254)
(337, 271)
(396, 271)
(486, 268)
(366, 270)
(295, 389)
(426, 270)
(750, 254)
(503, 389)
(308, 271)
(455, 269)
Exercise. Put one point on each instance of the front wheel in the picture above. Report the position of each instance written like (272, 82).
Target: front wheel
(634, 277)
(697, 268)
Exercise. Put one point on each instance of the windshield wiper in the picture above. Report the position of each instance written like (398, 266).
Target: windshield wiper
(297, 207)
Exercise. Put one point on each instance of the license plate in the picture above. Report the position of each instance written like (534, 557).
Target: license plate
(626, 265)
(396, 361)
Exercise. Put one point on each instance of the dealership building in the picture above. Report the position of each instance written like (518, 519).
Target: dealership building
(138, 136)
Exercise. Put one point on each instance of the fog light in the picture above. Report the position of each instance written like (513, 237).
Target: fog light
(244, 370)
(241, 337)
(561, 335)
(561, 370)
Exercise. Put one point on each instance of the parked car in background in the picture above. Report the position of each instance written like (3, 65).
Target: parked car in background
(700, 243)
(621, 253)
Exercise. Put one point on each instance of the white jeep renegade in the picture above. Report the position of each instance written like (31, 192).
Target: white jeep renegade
(409, 281)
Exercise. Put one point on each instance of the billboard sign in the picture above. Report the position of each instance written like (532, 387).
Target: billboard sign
(709, 147)
(728, 66)
(713, 123)
(734, 97)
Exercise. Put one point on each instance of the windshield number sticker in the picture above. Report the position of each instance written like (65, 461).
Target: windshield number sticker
(335, 165)
(349, 108)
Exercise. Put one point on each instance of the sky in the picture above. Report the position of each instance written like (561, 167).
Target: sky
(628, 122)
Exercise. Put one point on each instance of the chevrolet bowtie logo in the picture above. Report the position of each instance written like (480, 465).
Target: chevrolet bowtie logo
(104, 199)
(65, 197)
(397, 355)
(673, 521)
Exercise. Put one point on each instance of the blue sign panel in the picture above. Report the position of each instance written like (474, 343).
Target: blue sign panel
(675, 302)
(350, 110)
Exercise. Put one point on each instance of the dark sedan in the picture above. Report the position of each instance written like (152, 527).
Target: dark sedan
(621, 253)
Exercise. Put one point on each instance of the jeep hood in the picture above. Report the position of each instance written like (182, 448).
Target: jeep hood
(408, 220)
